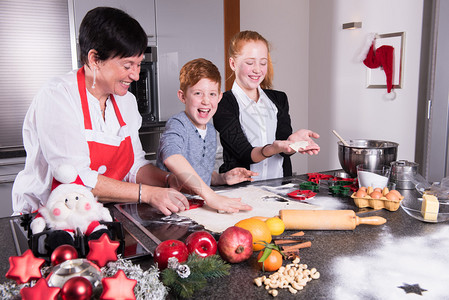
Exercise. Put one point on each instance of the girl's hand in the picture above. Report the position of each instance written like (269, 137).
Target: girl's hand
(238, 175)
(306, 135)
(282, 146)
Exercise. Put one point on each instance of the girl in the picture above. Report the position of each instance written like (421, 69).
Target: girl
(253, 120)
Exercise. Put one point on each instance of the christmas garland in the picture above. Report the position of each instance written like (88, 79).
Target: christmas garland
(185, 279)
(148, 284)
(182, 279)
(119, 277)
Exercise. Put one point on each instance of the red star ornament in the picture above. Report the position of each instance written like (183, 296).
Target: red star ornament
(25, 267)
(40, 291)
(118, 287)
(103, 250)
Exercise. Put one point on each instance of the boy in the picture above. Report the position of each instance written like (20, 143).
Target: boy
(188, 145)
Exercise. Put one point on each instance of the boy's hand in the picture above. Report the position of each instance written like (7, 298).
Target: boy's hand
(225, 204)
(306, 135)
(238, 175)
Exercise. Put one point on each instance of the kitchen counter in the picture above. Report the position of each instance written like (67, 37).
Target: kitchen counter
(398, 260)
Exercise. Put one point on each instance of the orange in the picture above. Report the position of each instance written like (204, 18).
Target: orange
(276, 225)
(260, 218)
(259, 230)
(273, 261)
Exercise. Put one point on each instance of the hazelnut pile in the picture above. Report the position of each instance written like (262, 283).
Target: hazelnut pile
(293, 277)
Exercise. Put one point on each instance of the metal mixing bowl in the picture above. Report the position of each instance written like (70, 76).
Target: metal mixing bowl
(372, 153)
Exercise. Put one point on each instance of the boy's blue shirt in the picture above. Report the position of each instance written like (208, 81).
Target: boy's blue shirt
(182, 137)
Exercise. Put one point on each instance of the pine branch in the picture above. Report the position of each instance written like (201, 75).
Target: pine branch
(201, 269)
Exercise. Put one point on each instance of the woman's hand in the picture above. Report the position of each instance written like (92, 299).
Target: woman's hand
(306, 135)
(225, 204)
(238, 175)
(167, 200)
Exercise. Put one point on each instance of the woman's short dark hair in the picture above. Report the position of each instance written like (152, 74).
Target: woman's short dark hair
(112, 33)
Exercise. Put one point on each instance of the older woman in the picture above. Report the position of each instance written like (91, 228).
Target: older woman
(88, 119)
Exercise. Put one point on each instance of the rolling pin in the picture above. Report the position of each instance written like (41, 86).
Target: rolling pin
(325, 219)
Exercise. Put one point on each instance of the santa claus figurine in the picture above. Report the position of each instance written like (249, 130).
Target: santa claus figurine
(70, 208)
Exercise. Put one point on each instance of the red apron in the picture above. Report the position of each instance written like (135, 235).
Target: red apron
(112, 157)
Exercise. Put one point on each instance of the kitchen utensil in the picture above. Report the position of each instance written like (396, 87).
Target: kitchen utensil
(412, 206)
(301, 194)
(325, 219)
(341, 139)
(376, 178)
(341, 175)
(403, 173)
(373, 153)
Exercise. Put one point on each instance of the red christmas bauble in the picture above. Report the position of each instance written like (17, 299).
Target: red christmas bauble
(63, 253)
(76, 288)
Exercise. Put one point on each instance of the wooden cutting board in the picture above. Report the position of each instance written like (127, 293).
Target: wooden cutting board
(263, 202)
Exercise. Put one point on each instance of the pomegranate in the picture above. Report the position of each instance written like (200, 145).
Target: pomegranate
(235, 244)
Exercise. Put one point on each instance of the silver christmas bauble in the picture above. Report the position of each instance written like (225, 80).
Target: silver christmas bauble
(73, 268)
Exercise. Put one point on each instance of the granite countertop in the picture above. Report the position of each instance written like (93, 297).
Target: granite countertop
(398, 260)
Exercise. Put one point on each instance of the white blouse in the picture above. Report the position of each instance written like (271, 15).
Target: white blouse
(259, 123)
(53, 134)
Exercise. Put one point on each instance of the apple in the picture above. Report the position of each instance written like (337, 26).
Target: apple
(170, 248)
(235, 244)
(201, 243)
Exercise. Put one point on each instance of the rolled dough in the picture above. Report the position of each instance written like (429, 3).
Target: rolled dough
(299, 145)
(264, 204)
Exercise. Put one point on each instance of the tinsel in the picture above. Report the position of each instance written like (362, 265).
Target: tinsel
(148, 284)
(201, 269)
(10, 290)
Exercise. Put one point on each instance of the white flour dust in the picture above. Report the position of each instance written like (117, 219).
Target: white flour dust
(327, 202)
(324, 202)
(422, 260)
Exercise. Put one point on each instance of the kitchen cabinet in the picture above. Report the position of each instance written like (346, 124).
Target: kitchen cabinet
(142, 10)
(9, 168)
(435, 143)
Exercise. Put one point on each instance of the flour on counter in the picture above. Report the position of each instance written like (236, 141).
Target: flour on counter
(327, 202)
(396, 262)
(324, 202)
(264, 203)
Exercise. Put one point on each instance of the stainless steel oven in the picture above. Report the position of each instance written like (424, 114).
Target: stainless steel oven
(145, 89)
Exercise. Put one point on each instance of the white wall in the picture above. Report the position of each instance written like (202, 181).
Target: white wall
(285, 24)
(326, 78)
(186, 30)
(338, 95)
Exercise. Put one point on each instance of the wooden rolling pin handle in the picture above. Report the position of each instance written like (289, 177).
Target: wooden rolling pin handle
(375, 220)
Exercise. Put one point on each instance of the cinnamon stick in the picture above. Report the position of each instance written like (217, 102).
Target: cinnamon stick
(282, 242)
(297, 247)
(299, 233)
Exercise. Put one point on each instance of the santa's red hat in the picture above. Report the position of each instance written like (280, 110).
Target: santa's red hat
(65, 174)
(380, 57)
(66, 180)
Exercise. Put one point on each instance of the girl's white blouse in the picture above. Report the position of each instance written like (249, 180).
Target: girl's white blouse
(259, 123)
